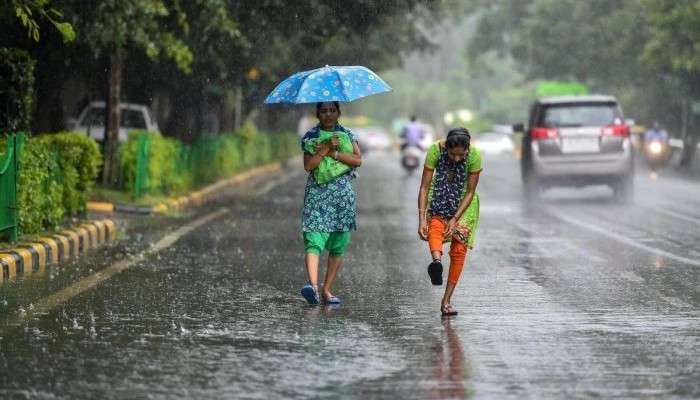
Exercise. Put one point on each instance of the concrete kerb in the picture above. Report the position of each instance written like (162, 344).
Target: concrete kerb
(195, 198)
(33, 255)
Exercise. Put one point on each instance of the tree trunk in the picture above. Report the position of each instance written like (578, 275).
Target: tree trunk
(112, 117)
(226, 106)
(238, 116)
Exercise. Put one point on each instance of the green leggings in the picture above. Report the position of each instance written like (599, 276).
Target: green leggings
(335, 242)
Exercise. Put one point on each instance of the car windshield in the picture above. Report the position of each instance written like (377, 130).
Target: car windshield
(95, 117)
(130, 119)
(133, 119)
(580, 115)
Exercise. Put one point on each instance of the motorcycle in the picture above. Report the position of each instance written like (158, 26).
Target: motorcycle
(411, 158)
(655, 152)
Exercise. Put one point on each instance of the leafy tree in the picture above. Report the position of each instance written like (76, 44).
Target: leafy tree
(644, 51)
(672, 49)
(27, 10)
(113, 28)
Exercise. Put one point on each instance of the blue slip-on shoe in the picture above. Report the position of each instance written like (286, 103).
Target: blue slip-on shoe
(310, 294)
(333, 300)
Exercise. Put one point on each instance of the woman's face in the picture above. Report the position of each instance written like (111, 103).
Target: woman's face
(328, 115)
(457, 153)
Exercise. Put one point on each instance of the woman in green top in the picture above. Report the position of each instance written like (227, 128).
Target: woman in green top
(328, 215)
(448, 206)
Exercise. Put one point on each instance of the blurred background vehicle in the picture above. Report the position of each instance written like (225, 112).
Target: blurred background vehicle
(133, 117)
(411, 158)
(577, 141)
(372, 138)
(493, 143)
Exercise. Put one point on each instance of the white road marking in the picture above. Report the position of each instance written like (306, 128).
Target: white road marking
(674, 214)
(48, 303)
(674, 301)
(624, 239)
(272, 184)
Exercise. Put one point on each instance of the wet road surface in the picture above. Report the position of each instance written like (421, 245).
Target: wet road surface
(574, 297)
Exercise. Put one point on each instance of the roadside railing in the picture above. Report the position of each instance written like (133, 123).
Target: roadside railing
(167, 166)
(9, 166)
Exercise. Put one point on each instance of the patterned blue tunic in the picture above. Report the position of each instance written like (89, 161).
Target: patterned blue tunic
(329, 207)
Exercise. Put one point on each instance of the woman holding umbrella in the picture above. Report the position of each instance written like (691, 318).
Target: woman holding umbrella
(328, 215)
(331, 154)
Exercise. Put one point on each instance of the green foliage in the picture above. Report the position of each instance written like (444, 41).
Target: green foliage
(448, 79)
(674, 35)
(151, 27)
(174, 168)
(164, 169)
(16, 90)
(79, 162)
(26, 10)
(643, 51)
(165, 156)
(39, 191)
(57, 173)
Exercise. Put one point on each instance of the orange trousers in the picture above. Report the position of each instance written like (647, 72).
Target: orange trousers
(458, 250)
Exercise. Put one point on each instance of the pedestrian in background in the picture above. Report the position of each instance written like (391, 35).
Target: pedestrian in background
(328, 215)
(448, 206)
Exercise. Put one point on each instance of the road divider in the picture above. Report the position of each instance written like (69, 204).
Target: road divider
(27, 257)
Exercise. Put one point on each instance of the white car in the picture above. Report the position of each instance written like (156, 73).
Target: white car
(372, 138)
(493, 143)
(133, 117)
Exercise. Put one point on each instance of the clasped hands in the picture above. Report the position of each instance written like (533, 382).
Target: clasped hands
(423, 228)
(328, 146)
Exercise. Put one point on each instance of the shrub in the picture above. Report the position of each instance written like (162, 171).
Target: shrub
(79, 162)
(56, 174)
(165, 172)
(174, 167)
(38, 188)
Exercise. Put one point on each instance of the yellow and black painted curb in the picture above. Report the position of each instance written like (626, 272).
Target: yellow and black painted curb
(32, 256)
(195, 198)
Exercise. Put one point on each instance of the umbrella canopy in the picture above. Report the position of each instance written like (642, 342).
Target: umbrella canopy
(328, 84)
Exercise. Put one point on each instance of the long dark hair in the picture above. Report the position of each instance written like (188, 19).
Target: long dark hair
(458, 137)
(320, 103)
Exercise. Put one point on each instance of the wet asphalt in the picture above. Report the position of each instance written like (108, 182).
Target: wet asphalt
(575, 296)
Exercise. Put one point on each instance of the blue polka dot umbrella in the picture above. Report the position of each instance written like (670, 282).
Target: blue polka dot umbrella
(342, 84)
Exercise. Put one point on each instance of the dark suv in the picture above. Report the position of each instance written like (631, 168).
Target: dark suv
(577, 141)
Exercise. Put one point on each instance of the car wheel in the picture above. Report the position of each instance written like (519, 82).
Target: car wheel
(623, 189)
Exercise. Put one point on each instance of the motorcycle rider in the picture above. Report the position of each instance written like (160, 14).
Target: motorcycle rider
(412, 134)
(412, 147)
(655, 156)
(655, 133)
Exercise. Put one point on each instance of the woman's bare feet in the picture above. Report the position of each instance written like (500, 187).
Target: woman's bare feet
(328, 298)
(447, 310)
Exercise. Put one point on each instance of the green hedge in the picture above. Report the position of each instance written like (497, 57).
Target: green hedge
(57, 173)
(165, 174)
(175, 168)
